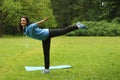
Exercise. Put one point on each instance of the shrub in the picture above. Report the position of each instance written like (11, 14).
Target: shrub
(102, 28)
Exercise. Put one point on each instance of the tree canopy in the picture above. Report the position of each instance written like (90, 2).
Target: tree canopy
(61, 12)
(67, 11)
(12, 10)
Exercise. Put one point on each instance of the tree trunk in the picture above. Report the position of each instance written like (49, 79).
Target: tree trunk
(1, 26)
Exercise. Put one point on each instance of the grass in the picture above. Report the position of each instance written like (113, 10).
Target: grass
(92, 58)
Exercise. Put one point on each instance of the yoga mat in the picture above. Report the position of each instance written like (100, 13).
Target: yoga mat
(34, 68)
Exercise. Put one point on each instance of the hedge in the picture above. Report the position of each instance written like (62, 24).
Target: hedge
(102, 28)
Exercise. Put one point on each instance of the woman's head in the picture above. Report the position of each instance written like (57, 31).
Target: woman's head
(24, 21)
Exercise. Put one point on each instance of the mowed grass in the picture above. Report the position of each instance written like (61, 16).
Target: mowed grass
(92, 58)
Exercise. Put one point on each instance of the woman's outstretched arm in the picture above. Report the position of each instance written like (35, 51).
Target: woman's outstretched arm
(41, 21)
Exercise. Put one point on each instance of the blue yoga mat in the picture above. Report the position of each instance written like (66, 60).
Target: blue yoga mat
(33, 68)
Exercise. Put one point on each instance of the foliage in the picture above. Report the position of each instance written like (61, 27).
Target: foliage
(9, 10)
(12, 10)
(37, 10)
(62, 12)
(101, 28)
(116, 20)
(110, 10)
(85, 10)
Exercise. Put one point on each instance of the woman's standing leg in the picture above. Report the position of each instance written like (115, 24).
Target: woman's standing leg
(46, 50)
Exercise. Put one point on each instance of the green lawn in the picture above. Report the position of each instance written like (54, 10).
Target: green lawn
(92, 58)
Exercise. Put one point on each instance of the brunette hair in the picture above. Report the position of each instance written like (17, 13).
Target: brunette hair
(28, 23)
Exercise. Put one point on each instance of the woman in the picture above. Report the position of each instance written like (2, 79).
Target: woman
(33, 31)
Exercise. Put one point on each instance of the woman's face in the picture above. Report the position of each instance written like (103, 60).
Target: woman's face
(23, 22)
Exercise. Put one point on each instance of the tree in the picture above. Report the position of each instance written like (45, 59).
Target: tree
(12, 10)
(37, 10)
(9, 10)
(110, 9)
(0, 19)
(69, 11)
(63, 11)
(75, 10)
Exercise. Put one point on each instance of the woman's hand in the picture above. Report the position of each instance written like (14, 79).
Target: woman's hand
(46, 19)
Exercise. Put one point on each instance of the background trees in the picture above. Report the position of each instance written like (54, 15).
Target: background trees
(85, 10)
(12, 10)
(9, 15)
(61, 12)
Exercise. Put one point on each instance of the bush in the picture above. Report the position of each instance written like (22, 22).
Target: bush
(102, 28)
(116, 20)
(11, 30)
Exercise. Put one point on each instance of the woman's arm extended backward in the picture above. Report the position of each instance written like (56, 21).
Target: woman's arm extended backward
(41, 21)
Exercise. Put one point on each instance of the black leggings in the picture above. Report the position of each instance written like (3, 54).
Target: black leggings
(46, 43)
